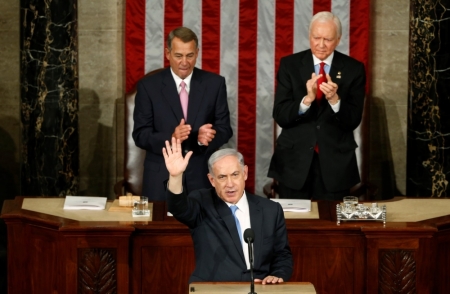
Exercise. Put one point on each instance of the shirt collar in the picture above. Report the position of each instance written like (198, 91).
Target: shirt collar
(242, 204)
(327, 61)
(178, 80)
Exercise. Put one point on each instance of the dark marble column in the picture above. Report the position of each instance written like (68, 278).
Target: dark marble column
(49, 97)
(428, 158)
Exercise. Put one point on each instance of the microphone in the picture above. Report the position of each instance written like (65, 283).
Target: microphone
(249, 237)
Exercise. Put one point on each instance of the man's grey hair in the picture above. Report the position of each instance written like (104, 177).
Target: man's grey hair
(184, 34)
(221, 153)
(325, 16)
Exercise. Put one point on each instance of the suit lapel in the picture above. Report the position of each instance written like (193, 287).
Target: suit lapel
(256, 220)
(306, 66)
(195, 95)
(225, 213)
(337, 65)
(170, 93)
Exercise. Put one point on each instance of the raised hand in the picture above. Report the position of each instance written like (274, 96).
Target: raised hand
(173, 157)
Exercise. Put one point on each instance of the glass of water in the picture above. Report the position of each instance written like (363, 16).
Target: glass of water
(140, 207)
(350, 200)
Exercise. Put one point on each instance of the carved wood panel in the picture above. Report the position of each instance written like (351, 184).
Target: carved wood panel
(397, 271)
(97, 273)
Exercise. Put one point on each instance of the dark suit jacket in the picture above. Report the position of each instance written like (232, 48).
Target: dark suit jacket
(158, 112)
(218, 251)
(332, 131)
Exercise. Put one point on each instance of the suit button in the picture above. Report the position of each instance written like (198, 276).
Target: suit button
(186, 151)
(318, 127)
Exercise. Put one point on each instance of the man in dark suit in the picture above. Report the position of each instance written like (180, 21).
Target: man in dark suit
(202, 123)
(315, 156)
(220, 252)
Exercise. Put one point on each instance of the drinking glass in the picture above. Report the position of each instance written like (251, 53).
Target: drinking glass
(351, 200)
(140, 207)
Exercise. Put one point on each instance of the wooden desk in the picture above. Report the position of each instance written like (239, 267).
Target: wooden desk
(61, 255)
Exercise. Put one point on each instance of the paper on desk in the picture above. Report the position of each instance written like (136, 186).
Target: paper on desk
(294, 205)
(83, 202)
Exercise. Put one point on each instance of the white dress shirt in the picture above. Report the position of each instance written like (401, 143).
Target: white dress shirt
(243, 215)
(178, 81)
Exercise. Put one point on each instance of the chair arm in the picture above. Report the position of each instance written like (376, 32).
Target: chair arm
(119, 188)
(271, 189)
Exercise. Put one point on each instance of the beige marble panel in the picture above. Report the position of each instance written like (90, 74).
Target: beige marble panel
(396, 116)
(101, 15)
(10, 130)
(102, 80)
(389, 92)
(97, 147)
(99, 67)
(120, 136)
(120, 65)
(390, 70)
(10, 68)
(390, 15)
(9, 20)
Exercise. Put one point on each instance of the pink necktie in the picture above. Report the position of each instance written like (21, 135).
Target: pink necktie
(319, 93)
(184, 98)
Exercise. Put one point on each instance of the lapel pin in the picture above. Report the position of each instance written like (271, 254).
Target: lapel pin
(338, 75)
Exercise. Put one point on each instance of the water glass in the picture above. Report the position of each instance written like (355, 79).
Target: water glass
(351, 200)
(140, 207)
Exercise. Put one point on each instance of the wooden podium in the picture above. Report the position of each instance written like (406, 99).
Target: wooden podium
(68, 253)
(242, 287)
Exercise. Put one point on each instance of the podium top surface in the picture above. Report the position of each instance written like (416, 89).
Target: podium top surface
(422, 212)
(244, 287)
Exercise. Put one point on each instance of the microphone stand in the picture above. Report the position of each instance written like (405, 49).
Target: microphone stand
(250, 257)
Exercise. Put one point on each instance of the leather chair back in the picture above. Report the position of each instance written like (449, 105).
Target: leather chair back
(134, 156)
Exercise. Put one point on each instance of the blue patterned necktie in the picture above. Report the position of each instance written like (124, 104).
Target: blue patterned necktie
(233, 209)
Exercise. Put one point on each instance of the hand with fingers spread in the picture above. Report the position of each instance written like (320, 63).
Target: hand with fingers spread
(182, 131)
(173, 157)
(206, 134)
(175, 164)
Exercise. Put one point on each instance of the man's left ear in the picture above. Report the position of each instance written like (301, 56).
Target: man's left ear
(211, 180)
(245, 172)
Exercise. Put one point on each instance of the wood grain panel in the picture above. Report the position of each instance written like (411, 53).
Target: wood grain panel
(174, 264)
(443, 262)
(43, 243)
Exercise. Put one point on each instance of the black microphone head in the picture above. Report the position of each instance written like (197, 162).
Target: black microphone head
(249, 235)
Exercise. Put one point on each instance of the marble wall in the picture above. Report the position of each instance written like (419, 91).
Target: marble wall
(101, 88)
(49, 98)
(428, 163)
